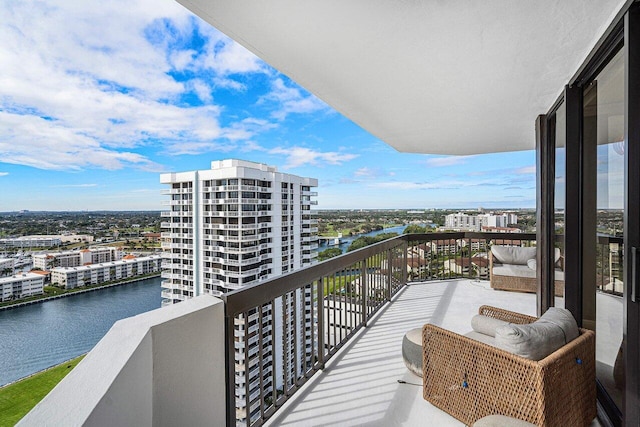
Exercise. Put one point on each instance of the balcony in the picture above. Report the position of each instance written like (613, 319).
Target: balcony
(356, 309)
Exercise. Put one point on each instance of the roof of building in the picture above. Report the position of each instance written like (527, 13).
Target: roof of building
(20, 276)
(41, 272)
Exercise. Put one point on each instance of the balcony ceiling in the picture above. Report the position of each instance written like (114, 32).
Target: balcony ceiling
(438, 77)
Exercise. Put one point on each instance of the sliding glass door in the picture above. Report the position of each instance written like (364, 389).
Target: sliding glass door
(603, 285)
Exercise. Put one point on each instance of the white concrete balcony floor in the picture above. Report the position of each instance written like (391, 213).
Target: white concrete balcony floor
(359, 385)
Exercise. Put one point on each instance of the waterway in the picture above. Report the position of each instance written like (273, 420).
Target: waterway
(346, 241)
(37, 336)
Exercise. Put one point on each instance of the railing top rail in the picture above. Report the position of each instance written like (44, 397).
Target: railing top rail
(252, 296)
(452, 235)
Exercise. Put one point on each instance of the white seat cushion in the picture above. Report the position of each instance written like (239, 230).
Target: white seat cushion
(513, 270)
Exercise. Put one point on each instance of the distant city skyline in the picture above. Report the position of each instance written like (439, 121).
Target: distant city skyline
(97, 99)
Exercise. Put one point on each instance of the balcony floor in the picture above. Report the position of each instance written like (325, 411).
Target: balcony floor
(359, 386)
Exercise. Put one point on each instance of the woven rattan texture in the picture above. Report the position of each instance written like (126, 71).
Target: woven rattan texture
(519, 284)
(470, 380)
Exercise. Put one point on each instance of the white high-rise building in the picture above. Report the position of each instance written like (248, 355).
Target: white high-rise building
(234, 225)
(463, 221)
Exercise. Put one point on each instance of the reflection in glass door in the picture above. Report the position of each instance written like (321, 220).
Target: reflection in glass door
(603, 304)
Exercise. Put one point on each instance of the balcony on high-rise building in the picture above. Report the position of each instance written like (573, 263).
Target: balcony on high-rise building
(454, 78)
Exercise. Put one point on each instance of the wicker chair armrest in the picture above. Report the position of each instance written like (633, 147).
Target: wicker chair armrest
(506, 315)
(570, 376)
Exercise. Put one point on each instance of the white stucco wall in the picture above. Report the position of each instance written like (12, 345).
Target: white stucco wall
(161, 368)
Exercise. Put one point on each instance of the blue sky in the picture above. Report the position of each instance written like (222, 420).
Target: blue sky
(98, 98)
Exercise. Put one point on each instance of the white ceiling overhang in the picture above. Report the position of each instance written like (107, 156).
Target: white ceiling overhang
(432, 76)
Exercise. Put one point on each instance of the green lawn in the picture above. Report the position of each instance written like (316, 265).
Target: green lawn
(17, 399)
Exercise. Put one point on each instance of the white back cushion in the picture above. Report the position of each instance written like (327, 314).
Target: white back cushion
(513, 254)
(539, 339)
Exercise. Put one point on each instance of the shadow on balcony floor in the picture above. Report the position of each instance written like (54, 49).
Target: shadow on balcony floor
(360, 384)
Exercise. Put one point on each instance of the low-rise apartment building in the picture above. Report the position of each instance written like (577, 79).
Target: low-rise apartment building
(50, 260)
(96, 274)
(31, 242)
(6, 267)
(21, 285)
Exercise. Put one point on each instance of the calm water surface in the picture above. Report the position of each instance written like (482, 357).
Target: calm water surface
(41, 335)
(346, 241)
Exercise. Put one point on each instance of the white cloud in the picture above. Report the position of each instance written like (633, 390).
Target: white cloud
(435, 185)
(249, 146)
(406, 185)
(437, 162)
(200, 147)
(75, 186)
(181, 59)
(527, 170)
(247, 128)
(227, 57)
(291, 100)
(33, 141)
(300, 156)
(88, 84)
(4, 173)
(366, 172)
(201, 89)
(228, 83)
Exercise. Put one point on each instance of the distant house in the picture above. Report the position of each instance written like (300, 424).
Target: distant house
(475, 266)
(153, 237)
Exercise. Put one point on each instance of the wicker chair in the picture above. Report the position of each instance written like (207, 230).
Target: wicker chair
(470, 380)
(521, 284)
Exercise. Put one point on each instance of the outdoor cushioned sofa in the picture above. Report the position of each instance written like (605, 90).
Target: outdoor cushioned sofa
(513, 268)
(541, 371)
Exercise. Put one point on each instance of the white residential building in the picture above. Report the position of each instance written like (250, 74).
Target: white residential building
(463, 221)
(50, 260)
(21, 285)
(31, 242)
(6, 267)
(499, 220)
(234, 225)
(96, 274)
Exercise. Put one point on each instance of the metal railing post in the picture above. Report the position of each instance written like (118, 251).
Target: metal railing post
(389, 273)
(321, 325)
(365, 292)
(405, 258)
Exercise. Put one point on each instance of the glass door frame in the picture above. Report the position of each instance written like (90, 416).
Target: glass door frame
(580, 205)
